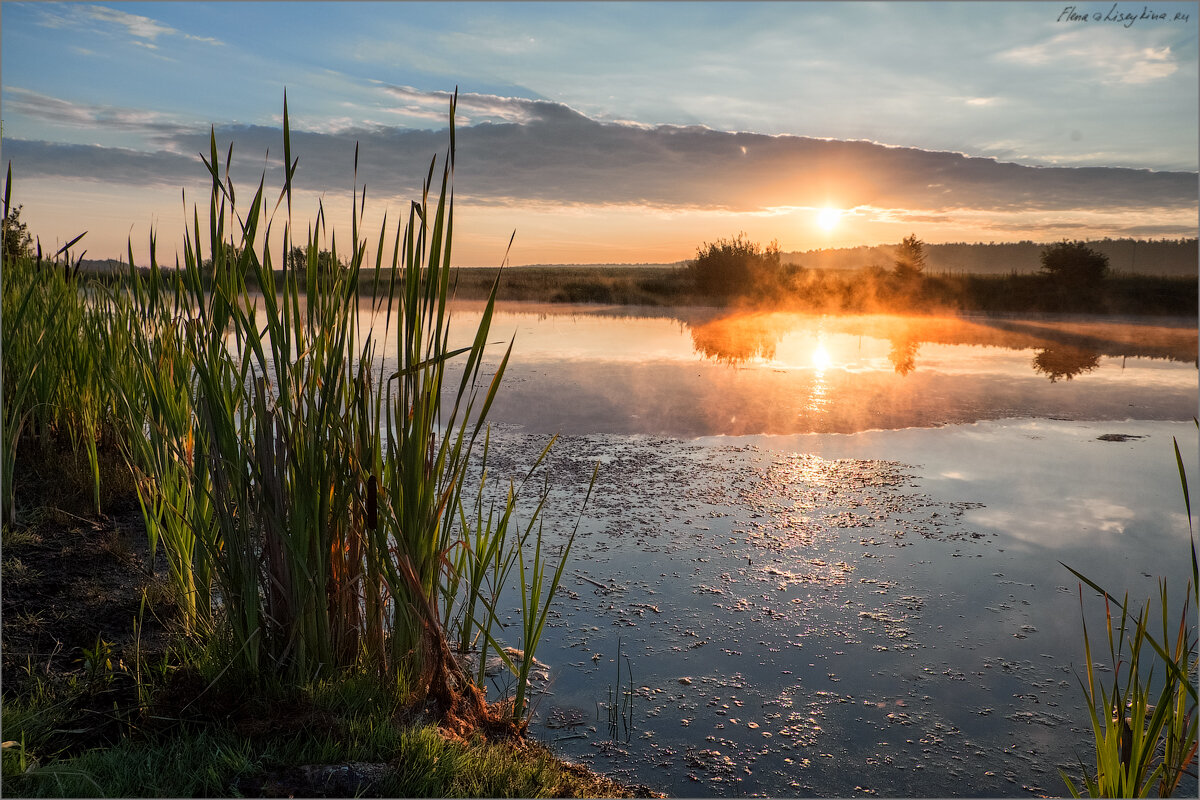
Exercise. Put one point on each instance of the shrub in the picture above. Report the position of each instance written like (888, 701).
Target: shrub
(735, 266)
(1074, 263)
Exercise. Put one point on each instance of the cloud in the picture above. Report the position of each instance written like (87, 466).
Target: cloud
(57, 111)
(1148, 65)
(114, 165)
(144, 31)
(900, 215)
(476, 108)
(136, 26)
(546, 152)
(1106, 54)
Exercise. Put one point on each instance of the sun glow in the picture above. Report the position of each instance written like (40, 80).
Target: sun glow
(828, 218)
(820, 358)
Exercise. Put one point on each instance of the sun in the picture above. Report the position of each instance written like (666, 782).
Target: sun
(828, 218)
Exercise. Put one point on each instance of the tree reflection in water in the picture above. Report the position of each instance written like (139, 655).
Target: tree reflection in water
(737, 339)
(904, 354)
(1063, 348)
(1065, 361)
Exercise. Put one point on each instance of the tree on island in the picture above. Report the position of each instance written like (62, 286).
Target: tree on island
(735, 266)
(1074, 264)
(910, 257)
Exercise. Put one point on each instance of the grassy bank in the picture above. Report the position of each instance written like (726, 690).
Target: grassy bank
(104, 698)
(233, 543)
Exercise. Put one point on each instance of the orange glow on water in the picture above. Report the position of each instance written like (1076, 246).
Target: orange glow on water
(820, 357)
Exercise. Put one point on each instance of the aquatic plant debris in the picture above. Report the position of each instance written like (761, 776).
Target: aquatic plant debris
(814, 612)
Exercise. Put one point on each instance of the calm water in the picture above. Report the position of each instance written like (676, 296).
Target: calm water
(828, 547)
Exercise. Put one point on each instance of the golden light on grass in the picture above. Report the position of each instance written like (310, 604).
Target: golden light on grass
(827, 218)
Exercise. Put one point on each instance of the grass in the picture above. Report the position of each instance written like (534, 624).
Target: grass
(339, 737)
(394, 760)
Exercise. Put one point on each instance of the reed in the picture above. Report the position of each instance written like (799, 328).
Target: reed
(1144, 729)
(620, 702)
(484, 567)
(54, 347)
(152, 386)
(310, 502)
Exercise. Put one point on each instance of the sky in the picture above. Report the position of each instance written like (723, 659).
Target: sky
(612, 132)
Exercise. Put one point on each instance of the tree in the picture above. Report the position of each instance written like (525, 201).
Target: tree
(735, 266)
(910, 257)
(297, 259)
(17, 239)
(232, 254)
(1074, 264)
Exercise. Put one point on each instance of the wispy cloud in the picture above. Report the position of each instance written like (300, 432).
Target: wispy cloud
(1148, 65)
(137, 26)
(1105, 54)
(143, 31)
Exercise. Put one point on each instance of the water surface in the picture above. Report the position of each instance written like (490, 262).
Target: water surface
(828, 547)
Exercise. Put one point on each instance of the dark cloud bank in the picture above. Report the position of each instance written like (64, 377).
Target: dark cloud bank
(556, 155)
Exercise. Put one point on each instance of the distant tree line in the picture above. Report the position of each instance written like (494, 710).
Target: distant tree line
(1155, 257)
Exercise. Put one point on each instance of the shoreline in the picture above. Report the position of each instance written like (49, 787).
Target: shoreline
(806, 290)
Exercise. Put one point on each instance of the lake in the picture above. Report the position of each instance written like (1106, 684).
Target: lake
(828, 547)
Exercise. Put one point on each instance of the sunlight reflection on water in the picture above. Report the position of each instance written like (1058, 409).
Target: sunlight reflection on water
(694, 373)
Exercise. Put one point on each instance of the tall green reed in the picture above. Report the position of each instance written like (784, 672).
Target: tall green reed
(23, 332)
(311, 502)
(1144, 729)
(152, 384)
(52, 360)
